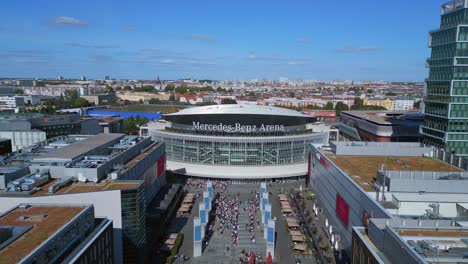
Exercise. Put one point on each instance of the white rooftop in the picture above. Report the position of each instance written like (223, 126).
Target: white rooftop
(241, 109)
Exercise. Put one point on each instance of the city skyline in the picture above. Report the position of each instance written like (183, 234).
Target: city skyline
(211, 40)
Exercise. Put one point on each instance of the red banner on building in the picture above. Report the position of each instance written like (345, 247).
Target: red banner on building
(161, 165)
(342, 210)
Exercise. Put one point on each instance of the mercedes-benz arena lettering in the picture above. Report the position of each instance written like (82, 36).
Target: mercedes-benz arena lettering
(237, 141)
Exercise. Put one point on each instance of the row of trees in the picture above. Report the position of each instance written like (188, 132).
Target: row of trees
(132, 124)
(340, 106)
(194, 90)
(70, 99)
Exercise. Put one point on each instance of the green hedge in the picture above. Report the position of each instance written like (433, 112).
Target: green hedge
(170, 259)
(175, 249)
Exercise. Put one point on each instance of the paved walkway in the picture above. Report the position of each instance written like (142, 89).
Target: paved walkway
(220, 249)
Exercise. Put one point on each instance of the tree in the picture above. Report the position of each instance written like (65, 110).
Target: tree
(292, 94)
(358, 104)
(127, 88)
(339, 107)
(70, 95)
(390, 94)
(19, 91)
(172, 98)
(369, 91)
(154, 101)
(328, 106)
(221, 90)
(228, 101)
(169, 88)
(109, 89)
(80, 102)
(130, 125)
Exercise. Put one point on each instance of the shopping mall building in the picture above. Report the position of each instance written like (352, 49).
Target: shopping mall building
(236, 141)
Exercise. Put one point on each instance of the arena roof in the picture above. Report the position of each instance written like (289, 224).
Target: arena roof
(241, 109)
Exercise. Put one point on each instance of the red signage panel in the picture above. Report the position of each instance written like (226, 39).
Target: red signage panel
(342, 209)
(161, 165)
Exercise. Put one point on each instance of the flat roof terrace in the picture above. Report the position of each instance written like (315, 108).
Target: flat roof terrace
(435, 232)
(137, 159)
(363, 169)
(42, 229)
(80, 148)
(82, 187)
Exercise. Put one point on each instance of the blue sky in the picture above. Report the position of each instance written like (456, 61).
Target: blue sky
(299, 39)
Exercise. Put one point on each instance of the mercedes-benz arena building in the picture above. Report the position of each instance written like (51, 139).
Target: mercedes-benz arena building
(237, 141)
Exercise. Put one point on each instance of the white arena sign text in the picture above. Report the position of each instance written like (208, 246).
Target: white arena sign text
(237, 127)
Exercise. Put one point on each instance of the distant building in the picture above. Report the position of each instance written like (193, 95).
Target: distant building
(111, 125)
(49, 233)
(10, 103)
(20, 133)
(99, 99)
(144, 97)
(387, 103)
(83, 78)
(107, 78)
(403, 103)
(322, 115)
(381, 126)
(446, 93)
(5, 146)
(26, 82)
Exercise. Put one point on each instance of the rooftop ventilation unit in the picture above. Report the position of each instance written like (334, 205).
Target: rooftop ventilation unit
(24, 206)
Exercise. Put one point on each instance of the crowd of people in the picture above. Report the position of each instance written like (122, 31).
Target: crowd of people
(197, 184)
(227, 214)
(252, 207)
(246, 257)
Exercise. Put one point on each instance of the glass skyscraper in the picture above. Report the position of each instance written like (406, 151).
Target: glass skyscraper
(446, 92)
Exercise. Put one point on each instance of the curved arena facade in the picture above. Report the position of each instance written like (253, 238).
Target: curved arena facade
(237, 141)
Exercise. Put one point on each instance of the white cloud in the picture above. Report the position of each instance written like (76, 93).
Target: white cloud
(356, 49)
(67, 21)
(167, 61)
(81, 45)
(204, 38)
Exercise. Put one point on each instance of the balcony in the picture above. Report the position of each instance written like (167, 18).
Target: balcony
(453, 6)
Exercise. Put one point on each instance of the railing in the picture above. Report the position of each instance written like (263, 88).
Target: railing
(309, 230)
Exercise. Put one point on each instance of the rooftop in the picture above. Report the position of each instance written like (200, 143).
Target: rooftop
(363, 169)
(384, 117)
(433, 232)
(238, 109)
(78, 187)
(42, 229)
(135, 160)
(81, 187)
(80, 148)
